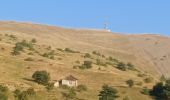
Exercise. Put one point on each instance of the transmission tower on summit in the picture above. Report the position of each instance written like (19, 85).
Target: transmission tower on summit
(106, 27)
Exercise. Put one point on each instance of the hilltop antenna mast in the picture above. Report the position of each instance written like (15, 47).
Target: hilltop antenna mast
(106, 26)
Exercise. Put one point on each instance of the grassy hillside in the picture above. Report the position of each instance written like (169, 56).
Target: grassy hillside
(61, 52)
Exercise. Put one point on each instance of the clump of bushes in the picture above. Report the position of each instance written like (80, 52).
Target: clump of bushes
(24, 95)
(3, 92)
(19, 46)
(108, 93)
(100, 63)
(130, 83)
(50, 86)
(96, 53)
(113, 59)
(86, 65)
(70, 50)
(29, 59)
(49, 55)
(87, 55)
(145, 91)
(71, 94)
(13, 37)
(121, 66)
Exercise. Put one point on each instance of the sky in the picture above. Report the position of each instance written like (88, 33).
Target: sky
(124, 16)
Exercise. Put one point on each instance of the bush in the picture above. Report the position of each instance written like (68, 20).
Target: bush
(86, 65)
(121, 66)
(34, 40)
(162, 78)
(148, 80)
(3, 93)
(70, 51)
(87, 55)
(113, 59)
(29, 59)
(96, 53)
(108, 93)
(20, 47)
(100, 63)
(130, 66)
(70, 95)
(145, 91)
(41, 77)
(49, 55)
(81, 88)
(50, 86)
(24, 95)
(130, 83)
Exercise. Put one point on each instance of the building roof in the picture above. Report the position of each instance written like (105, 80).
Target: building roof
(70, 77)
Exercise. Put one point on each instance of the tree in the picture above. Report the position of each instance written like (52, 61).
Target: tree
(41, 77)
(130, 82)
(159, 91)
(108, 93)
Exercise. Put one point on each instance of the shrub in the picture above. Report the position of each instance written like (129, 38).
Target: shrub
(49, 55)
(13, 37)
(87, 55)
(70, 95)
(29, 59)
(96, 53)
(20, 47)
(130, 66)
(86, 65)
(108, 93)
(100, 63)
(24, 95)
(145, 91)
(50, 86)
(113, 59)
(70, 51)
(148, 80)
(3, 93)
(121, 66)
(41, 77)
(130, 83)
(34, 40)
(162, 78)
(81, 88)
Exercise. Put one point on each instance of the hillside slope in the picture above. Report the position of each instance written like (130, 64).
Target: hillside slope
(149, 54)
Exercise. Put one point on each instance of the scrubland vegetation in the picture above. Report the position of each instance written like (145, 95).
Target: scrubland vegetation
(89, 63)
